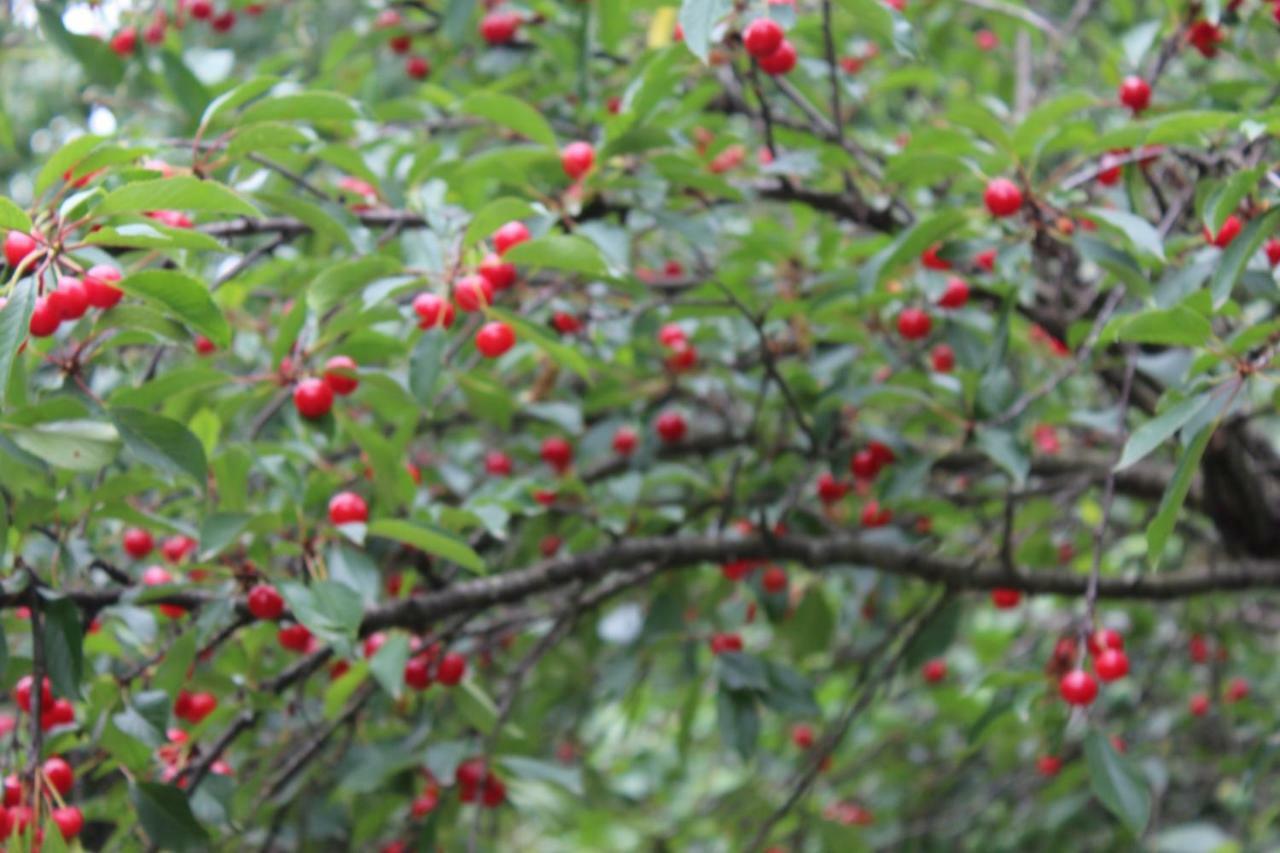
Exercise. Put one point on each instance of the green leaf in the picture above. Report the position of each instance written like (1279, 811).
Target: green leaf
(220, 530)
(311, 215)
(738, 718)
(1116, 782)
(1156, 431)
(1176, 326)
(15, 318)
(430, 540)
(1047, 118)
(493, 215)
(63, 646)
(741, 671)
(340, 282)
(426, 363)
(1002, 447)
(166, 817)
(936, 637)
(97, 59)
(236, 97)
(187, 90)
(13, 217)
(567, 252)
(171, 674)
(569, 778)
(1175, 494)
(1226, 198)
(563, 354)
(457, 17)
(185, 297)
(697, 19)
(1137, 230)
(162, 443)
(908, 246)
(181, 192)
(152, 235)
(328, 609)
(512, 113)
(77, 445)
(1237, 255)
(388, 663)
(64, 159)
(301, 106)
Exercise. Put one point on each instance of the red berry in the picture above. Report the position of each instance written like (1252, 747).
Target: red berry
(340, 374)
(671, 335)
(625, 441)
(22, 693)
(557, 453)
(202, 705)
(138, 542)
(98, 285)
(125, 42)
(943, 358)
(156, 576)
(45, 317)
(154, 33)
(348, 508)
(1048, 765)
(1273, 251)
(433, 311)
(930, 260)
(497, 463)
(265, 602)
(69, 820)
(1103, 639)
(17, 246)
(913, 324)
(774, 579)
(671, 427)
(985, 260)
(780, 61)
(864, 465)
(473, 292)
(874, 515)
(498, 28)
(721, 643)
(417, 67)
(934, 670)
(200, 9)
(566, 323)
(1135, 93)
(1111, 665)
(175, 548)
(1002, 197)
(1005, 599)
(802, 735)
(577, 158)
(956, 293)
(1198, 648)
(500, 274)
(224, 23)
(12, 791)
(511, 234)
(831, 490)
(70, 298)
(401, 44)
(313, 398)
(1078, 687)
(451, 669)
(59, 774)
(494, 792)
(204, 346)
(494, 339)
(295, 638)
(1229, 231)
(1237, 689)
(1198, 705)
(762, 37)
(417, 673)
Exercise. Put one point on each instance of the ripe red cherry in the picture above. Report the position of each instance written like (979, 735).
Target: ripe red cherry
(1005, 599)
(204, 346)
(774, 579)
(511, 234)
(313, 398)
(762, 37)
(1002, 197)
(1135, 93)
(802, 735)
(70, 298)
(138, 542)
(497, 463)
(1272, 249)
(295, 638)
(417, 673)
(417, 67)
(124, 42)
(500, 274)
(721, 643)
(22, 693)
(671, 427)
(557, 453)
(566, 323)
(499, 28)
(625, 441)
(985, 260)
(175, 548)
(69, 820)
(831, 490)
(202, 705)
(956, 293)
(913, 324)
(156, 576)
(494, 339)
(1103, 639)
(1048, 765)
(153, 34)
(1229, 231)
(400, 44)
(387, 19)
(874, 515)
(672, 336)
(340, 374)
(1198, 705)
(934, 670)
(473, 292)
(780, 61)
(59, 713)
(45, 317)
(931, 261)
(224, 23)
(1237, 689)
(577, 158)
(59, 774)
(17, 246)
(98, 284)
(348, 508)
(265, 602)
(1078, 687)
(494, 792)
(451, 669)
(1111, 665)
(864, 465)
(433, 312)
(943, 358)
(1198, 648)
(200, 9)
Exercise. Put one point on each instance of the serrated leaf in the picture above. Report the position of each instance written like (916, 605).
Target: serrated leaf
(185, 297)
(388, 663)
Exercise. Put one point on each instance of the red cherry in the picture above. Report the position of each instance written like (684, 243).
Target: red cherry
(671, 427)
(1078, 687)
(473, 292)
(17, 246)
(1002, 197)
(874, 515)
(1103, 639)
(762, 37)
(417, 673)
(1135, 93)
(204, 346)
(451, 669)
(69, 820)
(202, 705)
(930, 260)
(171, 218)
(671, 335)
(494, 792)
(313, 398)
(774, 580)
(549, 545)
(224, 23)
(943, 358)
(1237, 689)
(154, 33)
(22, 693)
(863, 465)
(780, 61)
(566, 323)
(295, 638)
(1111, 665)
(387, 19)
(59, 774)
(934, 670)
(45, 317)
(12, 790)
(1198, 705)
(125, 42)
(340, 374)
(721, 643)
(625, 441)
(1273, 251)
(682, 358)
(433, 312)
(70, 298)
(985, 260)
(1005, 599)
(509, 235)
(401, 44)
(956, 293)
(802, 735)
(499, 28)
(913, 324)
(497, 463)
(557, 453)
(1198, 648)
(1229, 231)
(577, 158)
(417, 67)
(831, 490)
(98, 283)
(1048, 765)
(470, 773)
(494, 339)
(265, 602)
(175, 548)
(348, 508)
(500, 274)
(138, 542)
(156, 576)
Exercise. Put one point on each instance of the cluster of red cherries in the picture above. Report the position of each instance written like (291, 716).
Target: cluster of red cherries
(54, 780)
(71, 298)
(124, 43)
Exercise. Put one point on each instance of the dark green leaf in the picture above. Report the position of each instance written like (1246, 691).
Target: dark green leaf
(166, 817)
(1116, 782)
(162, 443)
(63, 646)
